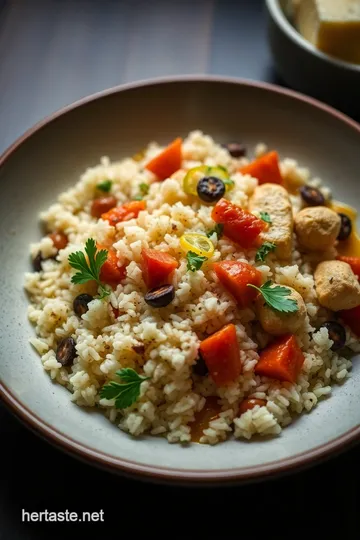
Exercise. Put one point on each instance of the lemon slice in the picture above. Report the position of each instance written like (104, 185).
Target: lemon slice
(198, 243)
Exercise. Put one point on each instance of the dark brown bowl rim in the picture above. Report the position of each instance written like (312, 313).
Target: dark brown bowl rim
(107, 461)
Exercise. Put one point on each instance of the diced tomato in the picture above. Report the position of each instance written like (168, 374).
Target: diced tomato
(281, 360)
(239, 225)
(156, 267)
(248, 404)
(354, 263)
(59, 239)
(168, 161)
(265, 168)
(235, 276)
(124, 212)
(110, 272)
(221, 354)
(351, 317)
(101, 205)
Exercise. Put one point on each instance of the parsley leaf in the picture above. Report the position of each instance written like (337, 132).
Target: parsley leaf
(89, 268)
(218, 230)
(105, 186)
(277, 297)
(125, 393)
(263, 251)
(265, 216)
(138, 198)
(194, 261)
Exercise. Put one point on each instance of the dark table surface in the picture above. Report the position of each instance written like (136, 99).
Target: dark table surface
(53, 52)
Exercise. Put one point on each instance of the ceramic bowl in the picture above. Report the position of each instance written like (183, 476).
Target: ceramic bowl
(49, 158)
(303, 67)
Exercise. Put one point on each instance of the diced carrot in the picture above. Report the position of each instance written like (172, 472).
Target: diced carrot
(239, 225)
(168, 161)
(101, 205)
(110, 272)
(354, 263)
(265, 168)
(156, 267)
(281, 360)
(250, 403)
(221, 354)
(351, 317)
(124, 212)
(59, 239)
(235, 276)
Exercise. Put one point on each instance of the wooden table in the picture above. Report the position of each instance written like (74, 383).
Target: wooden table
(53, 52)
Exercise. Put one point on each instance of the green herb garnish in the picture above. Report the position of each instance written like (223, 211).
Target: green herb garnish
(228, 182)
(126, 392)
(194, 261)
(265, 216)
(105, 186)
(263, 251)
(144, 190)
(218, 230)
(89, 270)
(277, 297)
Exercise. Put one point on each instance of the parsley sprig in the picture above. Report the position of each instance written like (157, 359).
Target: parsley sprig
(105, 186)
(265, 216)
(89, 268)
(126, 392)
(277, 298)
(194, 261)
(264, 250)
(218, 230)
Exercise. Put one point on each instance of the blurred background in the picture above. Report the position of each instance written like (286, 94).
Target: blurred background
(53, 52)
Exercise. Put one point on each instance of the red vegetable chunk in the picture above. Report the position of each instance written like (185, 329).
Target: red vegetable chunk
(222, 356)
(265, 168)
(281, 360)
(235, 277)
(157, 267)
(168, 161)
(351, 317)
(124, 212)
(239, 225)
(354, 262)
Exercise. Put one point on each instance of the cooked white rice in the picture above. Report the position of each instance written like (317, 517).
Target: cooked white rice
(171, 336)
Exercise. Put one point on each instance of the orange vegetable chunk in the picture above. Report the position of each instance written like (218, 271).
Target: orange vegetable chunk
(250, 403)
(124, 212)
(156, 266)
(110, 272)
(235, 277)
(239, 225)
(168, 161)
(265, 168)
(221, 354)
(281, 360)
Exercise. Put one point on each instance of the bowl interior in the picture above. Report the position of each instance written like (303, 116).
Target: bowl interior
(119, 124)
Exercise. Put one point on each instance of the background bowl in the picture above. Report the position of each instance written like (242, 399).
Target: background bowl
(117, 123)
(303, 67)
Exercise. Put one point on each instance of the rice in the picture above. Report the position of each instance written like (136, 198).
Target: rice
(173, 396)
